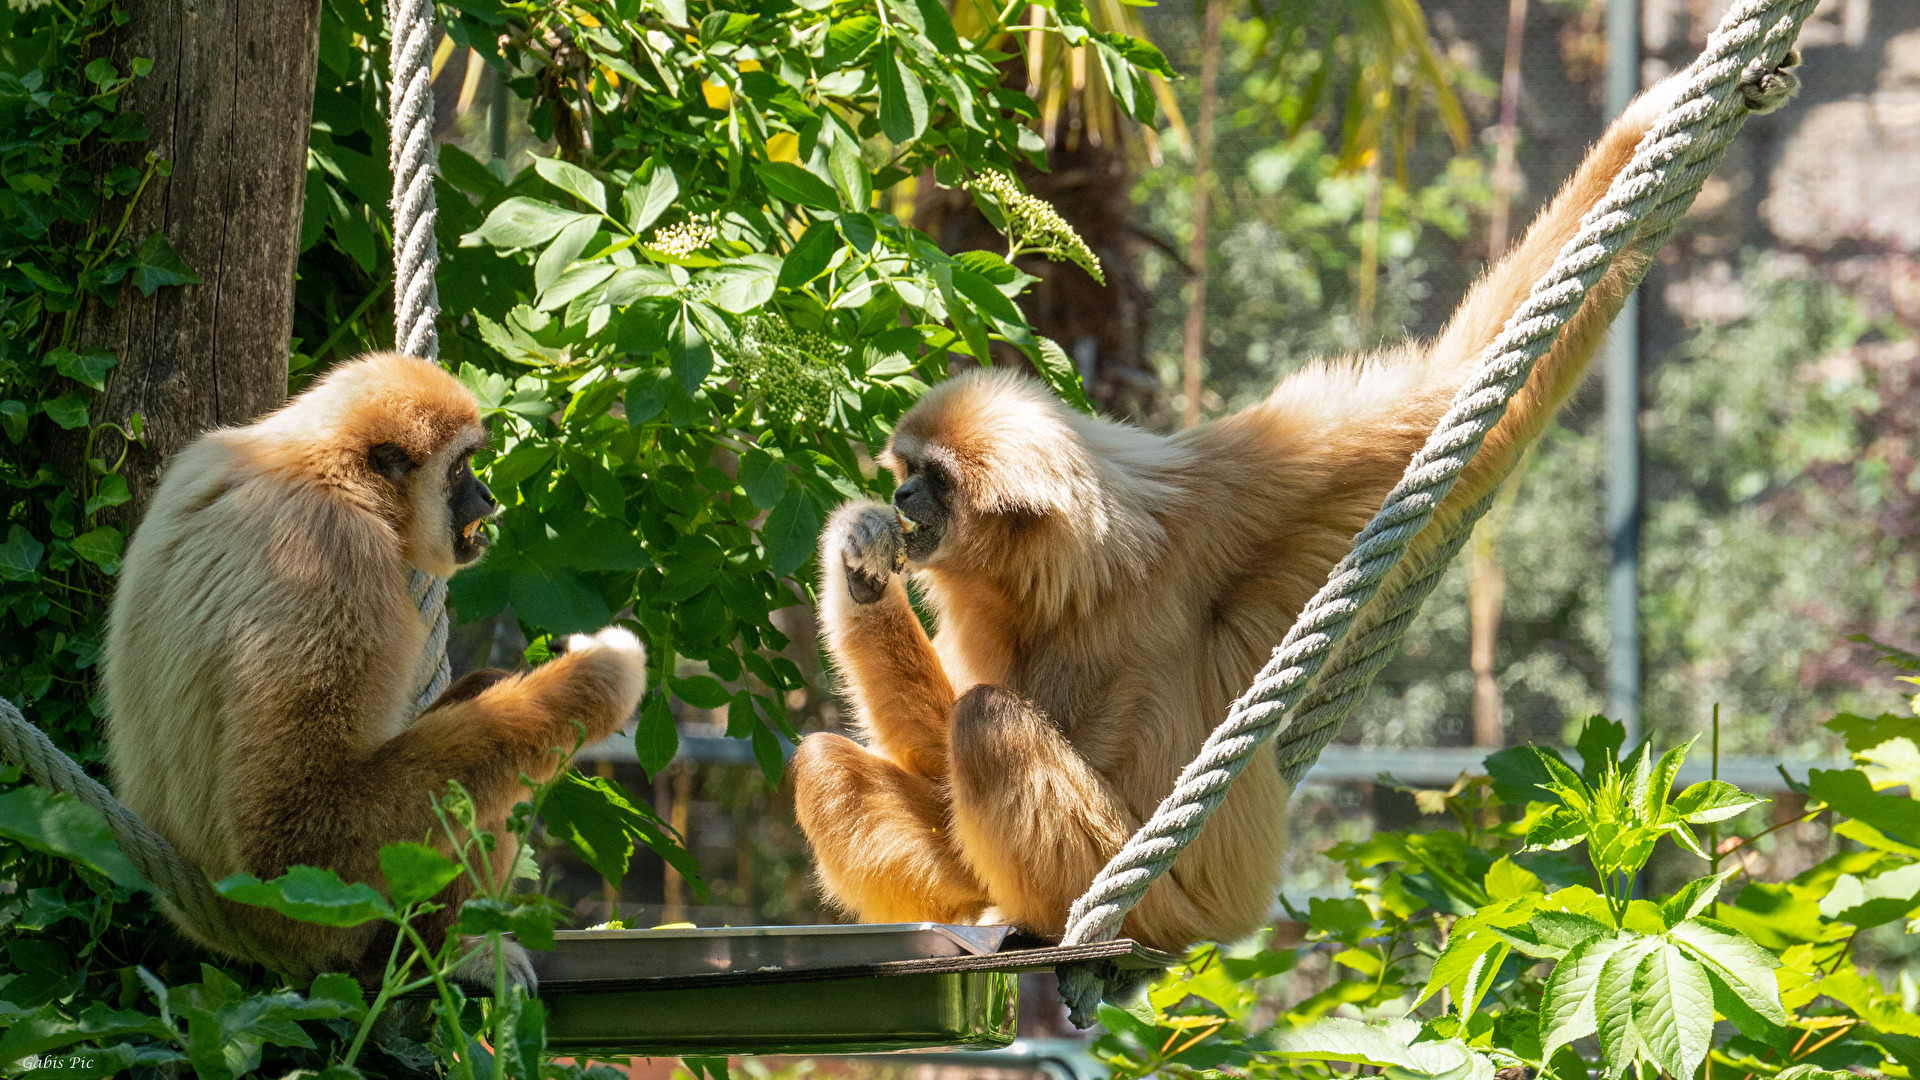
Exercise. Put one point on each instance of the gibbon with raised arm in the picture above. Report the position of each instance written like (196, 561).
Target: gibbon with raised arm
(262, 649)
(1103, 593)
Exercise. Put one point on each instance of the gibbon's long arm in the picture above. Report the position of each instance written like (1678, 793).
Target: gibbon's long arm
(900, 690)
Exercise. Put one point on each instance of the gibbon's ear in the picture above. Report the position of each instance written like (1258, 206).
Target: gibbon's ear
(392, 462)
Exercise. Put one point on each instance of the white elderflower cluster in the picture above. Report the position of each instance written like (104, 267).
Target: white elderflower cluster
(1034, 225)
(685, 238)
(794, 371)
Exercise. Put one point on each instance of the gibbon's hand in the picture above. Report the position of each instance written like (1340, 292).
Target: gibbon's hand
(622, 660)
(872, 549)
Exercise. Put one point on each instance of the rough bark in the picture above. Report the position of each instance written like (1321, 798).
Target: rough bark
(228, 103)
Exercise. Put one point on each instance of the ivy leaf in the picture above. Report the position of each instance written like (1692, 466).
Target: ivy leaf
(1672, 1009)
(416, 872)
(309, 894)
(101, 547)
(796, 185)
(89, 368)
(573, 180)
(62, 825)
(68, 410)
(791, 531)
(903, 104)
(157, 264)
(111, 491)
(20, 555)
(521, 222)
(647, 201)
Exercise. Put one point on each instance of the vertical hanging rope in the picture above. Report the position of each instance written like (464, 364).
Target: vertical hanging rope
(1736, 73)
(416, 254)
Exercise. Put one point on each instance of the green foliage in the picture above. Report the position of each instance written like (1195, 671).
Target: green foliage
(1489, 946)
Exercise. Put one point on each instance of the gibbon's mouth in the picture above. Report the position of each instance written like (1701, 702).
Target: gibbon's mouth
(907, 524)
(471, 541)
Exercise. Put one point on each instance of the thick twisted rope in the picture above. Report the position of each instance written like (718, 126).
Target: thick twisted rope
(416, 300)
(1641, 206)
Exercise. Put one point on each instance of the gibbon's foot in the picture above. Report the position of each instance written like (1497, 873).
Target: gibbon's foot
(1767, 90)
(872, 549)
(477, 969)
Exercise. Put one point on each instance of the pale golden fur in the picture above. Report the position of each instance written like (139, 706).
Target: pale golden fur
(262, 651)
(1104, 592)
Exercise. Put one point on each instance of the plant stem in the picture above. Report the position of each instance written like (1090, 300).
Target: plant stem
(379, 1002)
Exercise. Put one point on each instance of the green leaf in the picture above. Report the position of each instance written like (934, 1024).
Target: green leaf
(647, 395)
(1693, 898)
(601, 821)
(657, 739)
(110, 491)
(1058, 369)
(1599, 746)
(1710, 801)
(47, 1030)
(688, 353)
(937, 24)
(791, 532)
(1506, 880)
(646, 202)
(1560, 932)
(465, 172)
(810, 257)
(89, 368)
(763, 477)
(62, 825)
(1673, 1009)
(556, 600)
(68, 410)
(530, 924)
(769, 754)
(850, 175)
(745, 284)
(796, 185)
(157, 264)
(573, 180)
(415, 872)
(700, 691)
(1893, 763)
(521, 222)
(20, 555)
(560, 254)
(1613, 1002)
(1747, 968)
(309, 894)
(1849, 792)
(102, 547)
(903, 104)
(1390, 1044)
(1874, 901)
(1567, 1004)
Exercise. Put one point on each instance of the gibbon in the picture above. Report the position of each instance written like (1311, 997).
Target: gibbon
(261, 652)
(1103, 593)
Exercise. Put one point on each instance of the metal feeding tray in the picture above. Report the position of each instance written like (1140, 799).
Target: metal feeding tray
(794, 989)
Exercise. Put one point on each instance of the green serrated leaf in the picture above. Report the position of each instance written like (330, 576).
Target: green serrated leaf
(657, 740)
(1748, 968)
(573, 180)
(1567, 1004)
(903, 103)
(1673, 1009)
(415, 872)
(791, 531)
(309, 894)
(645, 203)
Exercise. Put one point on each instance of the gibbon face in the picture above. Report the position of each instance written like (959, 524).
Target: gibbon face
(402, 435)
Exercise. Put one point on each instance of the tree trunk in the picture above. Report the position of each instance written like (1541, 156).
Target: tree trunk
(228, 102)
(1194, 344)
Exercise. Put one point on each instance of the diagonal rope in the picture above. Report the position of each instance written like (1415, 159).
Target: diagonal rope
(1641, 207)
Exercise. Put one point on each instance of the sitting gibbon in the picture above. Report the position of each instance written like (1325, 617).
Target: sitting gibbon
(1103, 593)
(261, 652)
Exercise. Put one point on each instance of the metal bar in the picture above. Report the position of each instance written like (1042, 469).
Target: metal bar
(1422, 766)
(1622, 366)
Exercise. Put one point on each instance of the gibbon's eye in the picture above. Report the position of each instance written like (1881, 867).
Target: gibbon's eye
(390, 461)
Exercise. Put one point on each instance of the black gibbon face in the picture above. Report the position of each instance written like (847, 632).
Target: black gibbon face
(923, 502)
(469, 505)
